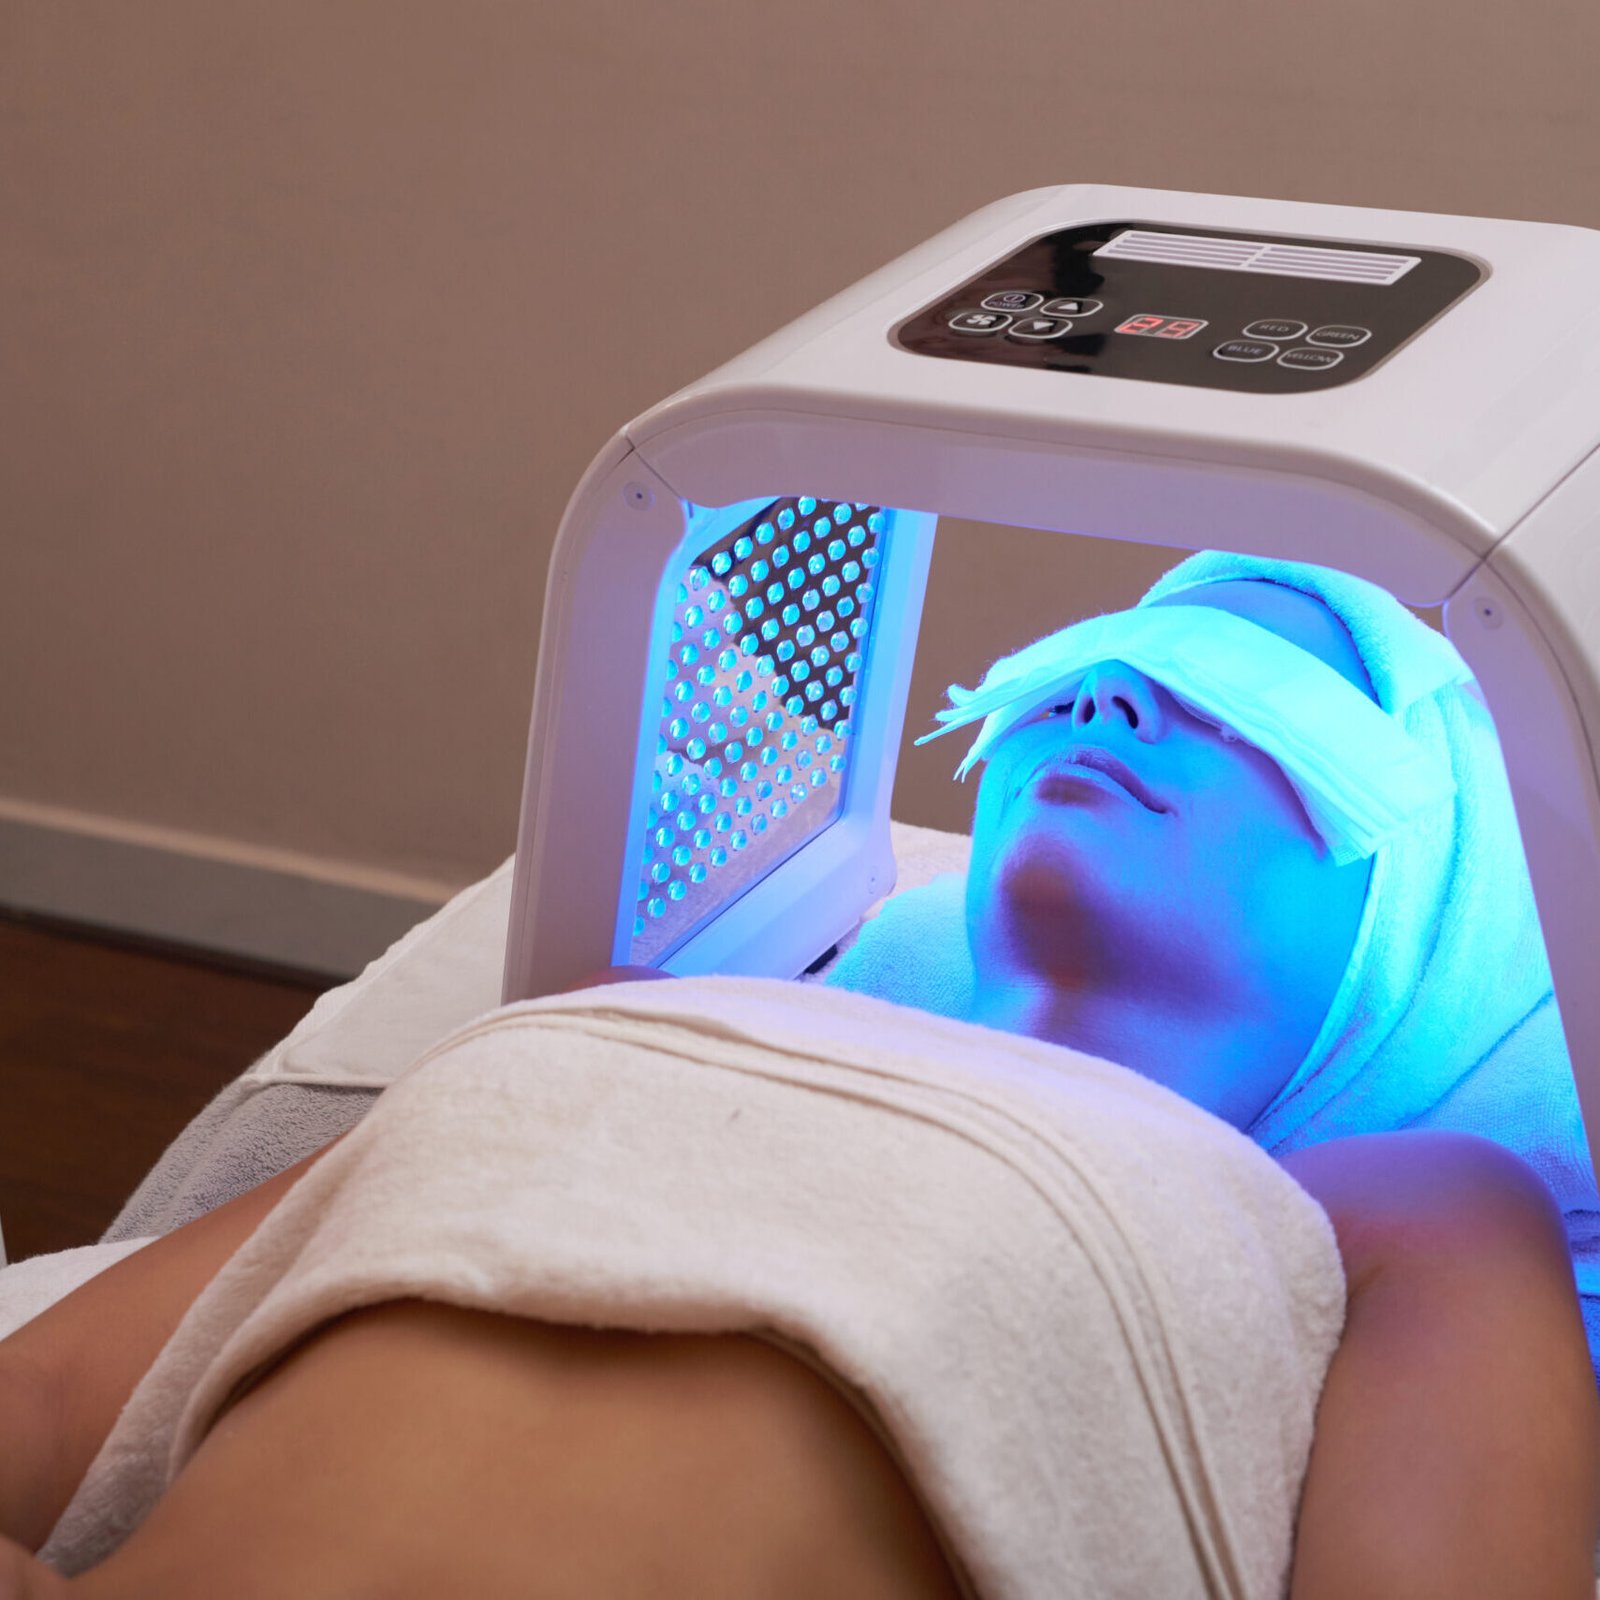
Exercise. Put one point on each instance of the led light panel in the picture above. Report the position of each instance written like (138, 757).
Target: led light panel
(769, 635)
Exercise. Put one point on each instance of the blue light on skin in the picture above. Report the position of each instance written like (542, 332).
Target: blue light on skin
(1197, 933)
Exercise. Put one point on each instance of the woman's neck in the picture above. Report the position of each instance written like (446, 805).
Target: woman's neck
(1194, 1049)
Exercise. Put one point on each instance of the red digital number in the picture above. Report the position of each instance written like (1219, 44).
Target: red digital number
(1141, 324)
(1180, 328)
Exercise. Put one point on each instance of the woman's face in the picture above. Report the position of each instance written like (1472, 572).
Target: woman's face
(1124, 848)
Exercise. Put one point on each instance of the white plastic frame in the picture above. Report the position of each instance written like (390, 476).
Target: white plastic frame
(1462, 471)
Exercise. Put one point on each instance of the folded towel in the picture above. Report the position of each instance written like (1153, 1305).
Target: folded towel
(1088, 1320)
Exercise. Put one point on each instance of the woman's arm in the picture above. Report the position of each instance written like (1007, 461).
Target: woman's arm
(65, 1376)
(1457, 1448)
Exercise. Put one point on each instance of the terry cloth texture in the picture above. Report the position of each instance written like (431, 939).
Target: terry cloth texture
(323, 1078)
(1446, 1016)
(1028, 1268)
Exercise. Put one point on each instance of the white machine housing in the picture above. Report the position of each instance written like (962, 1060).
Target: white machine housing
(1462, 470)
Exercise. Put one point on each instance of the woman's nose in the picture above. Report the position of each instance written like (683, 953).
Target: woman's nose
(1116, 693)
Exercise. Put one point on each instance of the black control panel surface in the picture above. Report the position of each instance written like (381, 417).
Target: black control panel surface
(1262, 313)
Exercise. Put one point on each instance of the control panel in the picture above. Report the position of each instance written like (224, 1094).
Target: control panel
(1263, 313)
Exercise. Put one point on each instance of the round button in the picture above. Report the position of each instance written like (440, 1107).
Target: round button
(1308, 360)
(1038, 328)
(1245, 350)
(1274, 328)
(1012, 300)
(1339, 335)
(1068, 306)
(978, 322)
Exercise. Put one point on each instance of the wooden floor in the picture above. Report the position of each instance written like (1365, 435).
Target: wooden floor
(106, 1051)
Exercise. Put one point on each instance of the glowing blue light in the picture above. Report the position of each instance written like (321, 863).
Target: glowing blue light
(739, 715)
(803, 760)
(801, 542)
(784, 774)
(759, 571)
(742, 806)
(769, 755)
(638, 926)
(764, 533)
(763, 789)
(780, 808)
(688, 655)
(718, 856)
(796, 577)
(695, 749)
(717, 732)
(740, 839)
(807, 505)
(846, 605)
(775, 592)
(729, 788)
(737, 585)
(852, 662)
(786, 519)
(830, 587)
(836, 763)
(818, 778)
(759, 826)
(833, 677)
(819, 656)
(877, 522)
(677, 728)
(698, 578)
(789, 740)
(697, 873)
(660, 872)
(836, 549)
(785, 649)
(794, 705)
(815, 564)
(691, 619)
(734, 751)
(685, 819)
(702, 837)
(699, 711)
(815, 691)
(847, 696)
(780, 556)
(804, 634)
(770, 629)
(676, 889)
(706, 676)
(800, 671)
(850, 571)
(682, 855)
(721, 562)
(711, 638)
(716, 600)
(722, 822)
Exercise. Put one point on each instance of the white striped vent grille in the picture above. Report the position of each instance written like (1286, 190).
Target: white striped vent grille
(1243, 255)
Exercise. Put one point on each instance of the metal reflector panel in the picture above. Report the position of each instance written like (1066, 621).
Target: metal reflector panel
(770, 630)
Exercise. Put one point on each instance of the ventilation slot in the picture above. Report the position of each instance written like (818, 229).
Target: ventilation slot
(1242, 255)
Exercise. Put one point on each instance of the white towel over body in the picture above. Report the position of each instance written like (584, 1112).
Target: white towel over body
(1089, 1321)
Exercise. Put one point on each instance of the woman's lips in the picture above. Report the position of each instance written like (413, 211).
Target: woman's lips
(1102, 761)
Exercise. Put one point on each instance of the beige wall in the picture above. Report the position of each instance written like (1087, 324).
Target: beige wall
(313, 313)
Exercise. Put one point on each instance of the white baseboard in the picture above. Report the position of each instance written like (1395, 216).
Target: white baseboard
(210, 894)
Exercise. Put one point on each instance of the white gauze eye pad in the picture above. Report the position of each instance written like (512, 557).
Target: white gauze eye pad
(1359, 774)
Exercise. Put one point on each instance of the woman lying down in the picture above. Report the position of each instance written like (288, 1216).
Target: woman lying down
(731, 1287)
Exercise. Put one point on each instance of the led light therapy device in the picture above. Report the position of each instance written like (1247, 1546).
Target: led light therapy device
(735, 591)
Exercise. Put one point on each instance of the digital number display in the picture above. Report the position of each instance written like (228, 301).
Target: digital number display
(1154, 327)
